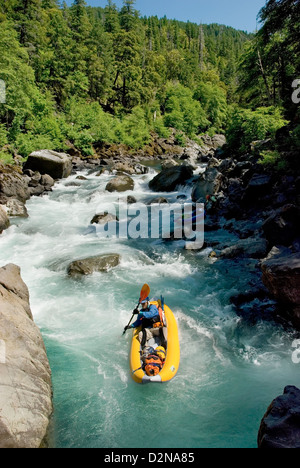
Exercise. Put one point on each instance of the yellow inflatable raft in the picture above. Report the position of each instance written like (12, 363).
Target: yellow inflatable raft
(171, 363)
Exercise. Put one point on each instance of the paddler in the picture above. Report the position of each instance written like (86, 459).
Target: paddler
(146, 317)
(150, 318)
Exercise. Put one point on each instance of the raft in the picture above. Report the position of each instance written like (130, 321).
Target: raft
(172, 346)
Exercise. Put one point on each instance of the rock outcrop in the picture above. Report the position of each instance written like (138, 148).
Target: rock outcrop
(25, 376)
(88, 266)
(57, 165)
(280, 426)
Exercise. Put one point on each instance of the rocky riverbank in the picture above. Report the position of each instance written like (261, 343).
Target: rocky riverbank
(25, 375)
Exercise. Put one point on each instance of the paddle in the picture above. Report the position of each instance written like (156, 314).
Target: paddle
(145, 291)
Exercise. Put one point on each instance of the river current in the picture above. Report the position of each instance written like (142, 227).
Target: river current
(230, 369)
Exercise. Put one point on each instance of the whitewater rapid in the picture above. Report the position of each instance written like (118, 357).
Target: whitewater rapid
(230, 369)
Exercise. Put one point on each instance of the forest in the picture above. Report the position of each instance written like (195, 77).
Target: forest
(90, 76)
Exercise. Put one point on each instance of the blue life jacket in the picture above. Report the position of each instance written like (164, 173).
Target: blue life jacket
(147, 317)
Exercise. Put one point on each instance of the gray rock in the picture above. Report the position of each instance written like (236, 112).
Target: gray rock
(280, 426)
(121, 183)
(25, 376)
(88, 266)
(57, 165)
(47, 181)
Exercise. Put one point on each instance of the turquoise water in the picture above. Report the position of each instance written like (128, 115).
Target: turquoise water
(230, 369)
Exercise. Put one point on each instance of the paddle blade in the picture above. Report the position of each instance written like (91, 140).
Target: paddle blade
(144, 292)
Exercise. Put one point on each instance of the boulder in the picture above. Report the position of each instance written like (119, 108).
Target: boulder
(280, 426)
(281, 275)
(25, 376)
(88, 266)
(209, 183)
(282, 226)
(169, 179)
(57, 165)
(4, 221)
(121, 183)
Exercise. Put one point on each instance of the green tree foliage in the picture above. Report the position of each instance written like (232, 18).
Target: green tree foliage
(271, 61)
(95, 75)
(247, 126)
(183, 112)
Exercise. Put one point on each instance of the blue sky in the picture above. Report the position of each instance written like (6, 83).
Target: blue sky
(240, 14)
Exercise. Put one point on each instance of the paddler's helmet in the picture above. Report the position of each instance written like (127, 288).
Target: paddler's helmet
(145, 301)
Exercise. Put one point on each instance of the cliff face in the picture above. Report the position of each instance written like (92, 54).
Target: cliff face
(25, 375)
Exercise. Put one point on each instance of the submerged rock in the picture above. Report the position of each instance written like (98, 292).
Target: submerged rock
(103, 218)
(25, 376)
(280, 426)
(91, 265)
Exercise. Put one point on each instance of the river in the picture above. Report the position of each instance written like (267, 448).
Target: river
(230, 369)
